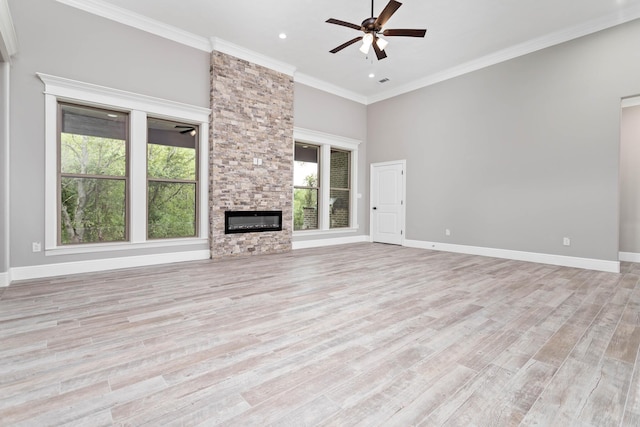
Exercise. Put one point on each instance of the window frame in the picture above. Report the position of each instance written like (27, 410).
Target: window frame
(326, 142)
(317, 187)
(195, 181)
(60, 174)
(59, 89)
(347, 188)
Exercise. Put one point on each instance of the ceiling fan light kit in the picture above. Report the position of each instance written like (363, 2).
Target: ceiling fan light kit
(372, 27)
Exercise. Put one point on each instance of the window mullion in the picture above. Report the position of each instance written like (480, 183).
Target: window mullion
(138, 177)
(353, 188)
(325, 172)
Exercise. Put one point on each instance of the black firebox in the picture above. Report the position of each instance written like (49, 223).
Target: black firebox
(252, 221)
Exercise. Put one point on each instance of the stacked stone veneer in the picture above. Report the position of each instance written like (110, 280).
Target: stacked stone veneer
(252, 117)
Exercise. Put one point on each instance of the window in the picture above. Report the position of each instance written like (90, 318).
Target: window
(339, 194)
(122, 170)
(93, 175)
(324, 182)
(172, 179)
(305, 187)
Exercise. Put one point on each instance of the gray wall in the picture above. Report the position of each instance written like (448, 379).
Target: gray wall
(321, 111)
(70, 43)
(63, 41)
(4, 94)
(518, 155)
(630, 180)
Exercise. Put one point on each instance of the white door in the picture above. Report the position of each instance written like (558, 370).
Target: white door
(387, 202)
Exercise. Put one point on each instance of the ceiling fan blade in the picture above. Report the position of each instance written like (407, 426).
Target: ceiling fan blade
(379, 53)
(386, 13)
(343, 45)
(404, 33)
(343, 23)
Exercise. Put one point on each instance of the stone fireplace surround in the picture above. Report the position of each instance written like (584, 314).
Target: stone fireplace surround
(252, 118)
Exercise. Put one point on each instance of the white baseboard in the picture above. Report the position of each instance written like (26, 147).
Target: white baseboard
(629, 257)
(565, 261)
(66, 268)
(305, 244)
(4, 280)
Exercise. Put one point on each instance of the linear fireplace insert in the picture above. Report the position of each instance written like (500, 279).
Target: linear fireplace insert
(252, 221)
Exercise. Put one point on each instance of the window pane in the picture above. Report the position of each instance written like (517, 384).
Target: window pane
(305, 166)
(171, 152)
(171, 162)
(92, 210)
(339, 199)
(92, 155)
(171, 210)
(93, 141)
(339, 169)
(338, 208)
(89, 121)
(305, 209)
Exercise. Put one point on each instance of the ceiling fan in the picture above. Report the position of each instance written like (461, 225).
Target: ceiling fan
(187, 129)
(372, 28)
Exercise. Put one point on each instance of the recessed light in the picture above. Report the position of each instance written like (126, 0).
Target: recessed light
(113, 116)
(371, 75)
(282, 36)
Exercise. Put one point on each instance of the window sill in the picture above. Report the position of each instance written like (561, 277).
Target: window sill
(325, 232)
(122, 246)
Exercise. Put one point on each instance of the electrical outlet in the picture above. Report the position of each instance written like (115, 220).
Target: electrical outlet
(566, 241)
(36, 246)
(447, 232)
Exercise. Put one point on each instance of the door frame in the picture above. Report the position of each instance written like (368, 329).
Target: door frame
(403, 210)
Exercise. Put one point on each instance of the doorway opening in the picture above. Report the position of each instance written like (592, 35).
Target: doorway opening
(629, 228)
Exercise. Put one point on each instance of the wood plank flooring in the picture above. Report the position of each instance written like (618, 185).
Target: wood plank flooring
(363, 334)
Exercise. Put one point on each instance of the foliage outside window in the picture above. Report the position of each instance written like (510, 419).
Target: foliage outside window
(172, 179)
(93, 178)
(339, 192)
(305, 187)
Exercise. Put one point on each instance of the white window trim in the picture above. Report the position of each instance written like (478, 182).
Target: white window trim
(139, 106)
(326, 141)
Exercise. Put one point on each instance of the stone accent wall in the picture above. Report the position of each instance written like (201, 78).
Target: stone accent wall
(252, 118)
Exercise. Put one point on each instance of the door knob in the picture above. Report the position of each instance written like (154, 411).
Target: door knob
(374, 208)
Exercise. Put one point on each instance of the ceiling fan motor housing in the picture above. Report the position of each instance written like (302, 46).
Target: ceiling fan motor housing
(369, 25)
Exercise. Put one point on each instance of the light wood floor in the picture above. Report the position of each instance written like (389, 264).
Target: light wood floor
(363, 334)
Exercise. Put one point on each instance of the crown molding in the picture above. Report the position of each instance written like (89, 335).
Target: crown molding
(240, 52)
(8, 38)
(512, 52)
(330, 88)
(141, 22)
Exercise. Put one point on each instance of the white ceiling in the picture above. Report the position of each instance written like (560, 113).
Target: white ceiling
(462, 35)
